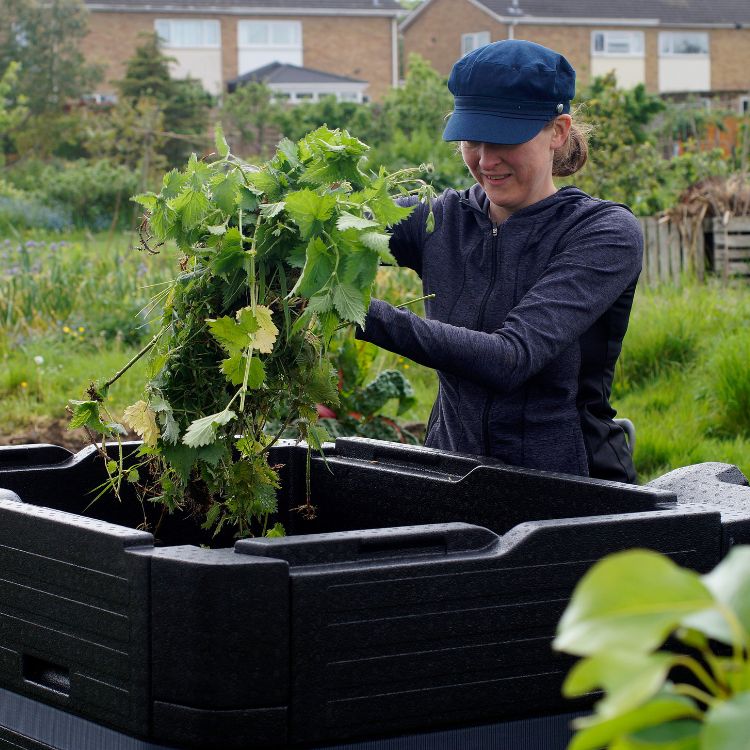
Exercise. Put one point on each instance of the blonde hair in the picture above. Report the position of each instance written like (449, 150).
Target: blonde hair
(574, 153)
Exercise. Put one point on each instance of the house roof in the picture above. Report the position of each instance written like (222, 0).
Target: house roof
(285, 73)
(632, 12)
(254, 7)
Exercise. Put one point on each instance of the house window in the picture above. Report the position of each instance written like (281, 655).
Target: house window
(176, 33)
(744, 105)
(617, 43)
(474, 41)
(264, 42)
(683, 43)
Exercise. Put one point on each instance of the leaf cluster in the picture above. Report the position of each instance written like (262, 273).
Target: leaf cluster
(693, 698)
(273, 260)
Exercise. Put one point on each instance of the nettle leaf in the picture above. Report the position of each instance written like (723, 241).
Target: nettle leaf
(321, 303)
(256, 373)
(203, 431)
(234, 368)
(230, 335)
(276, 531)
(308, 210)
(142, 420)
(322, 387)
(222, 147)
(350, 221)
(264, 183)
(267, 331)
(162, 220)
(317, 271)
(87, 414)
(383, 206)
(173, 183)
(379, 242)
(682, 734)
(290, 151)
(225, 192)
(192, 205)
(147, 200)
(630, 600)
(349, 304)
(269, 210)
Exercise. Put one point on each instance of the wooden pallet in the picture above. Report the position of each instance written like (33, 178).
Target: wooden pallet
(732, 247)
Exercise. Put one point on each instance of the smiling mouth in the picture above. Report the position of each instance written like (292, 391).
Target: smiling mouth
(496, 179)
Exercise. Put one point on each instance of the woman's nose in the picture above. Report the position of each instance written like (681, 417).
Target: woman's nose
(490, 154)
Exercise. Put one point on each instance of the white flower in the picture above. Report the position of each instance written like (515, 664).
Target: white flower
(39, 359)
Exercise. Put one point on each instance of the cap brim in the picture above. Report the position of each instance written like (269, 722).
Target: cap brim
(491, 128)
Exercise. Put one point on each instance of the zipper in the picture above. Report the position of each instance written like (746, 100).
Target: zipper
(480, 325)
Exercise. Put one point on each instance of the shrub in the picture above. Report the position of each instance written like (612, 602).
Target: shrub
(729, 375)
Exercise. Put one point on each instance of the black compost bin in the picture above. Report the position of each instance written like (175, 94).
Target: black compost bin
(415, 611)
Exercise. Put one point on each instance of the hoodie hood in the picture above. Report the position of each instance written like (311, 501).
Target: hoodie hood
(476, 199)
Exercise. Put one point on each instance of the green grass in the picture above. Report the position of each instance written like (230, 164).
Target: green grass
(69, 314)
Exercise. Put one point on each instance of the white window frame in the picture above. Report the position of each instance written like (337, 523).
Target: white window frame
(743, 105)
(635, 39)
(667, 43)
(474, 40)
(210, 33)
(269, 45)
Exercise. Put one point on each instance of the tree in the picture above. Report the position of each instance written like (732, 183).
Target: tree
(13, 108)
(184, 103)
(251, 111)
(44, 38)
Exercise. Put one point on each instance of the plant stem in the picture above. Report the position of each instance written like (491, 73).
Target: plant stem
(129, 364)
(414, 301)
(697, 669)
(691, 691)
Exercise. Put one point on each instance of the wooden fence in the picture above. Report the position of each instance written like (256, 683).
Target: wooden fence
(671, 252)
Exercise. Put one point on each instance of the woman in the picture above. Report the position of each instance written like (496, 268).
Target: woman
(533, 285)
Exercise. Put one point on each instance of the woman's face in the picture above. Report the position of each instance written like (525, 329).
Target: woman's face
(517, 176)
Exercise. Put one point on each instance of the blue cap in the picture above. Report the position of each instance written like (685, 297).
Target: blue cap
(506, 92)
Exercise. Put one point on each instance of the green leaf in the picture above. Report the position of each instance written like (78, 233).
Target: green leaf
(683, 734)
(289, 150)
(350, 221)
(181, 458)
(276, 531)
(173, 183)
(385, 209)
(379, 242)
(321, 303)
(349, 303)
(308, 210)
(147, 200)
(256, 373)
(630, 600)
(727, 725)
(86, 414)
(231, 336)
(322, 386)
(162, 220)
(222, 147)
(316, 436)
(659, 710)
(234, 368)
(729, 582)
(269, 210)
(225, 193)
(203, 431)
(264, 183)
(191, 205)
(318, 269)
(628, 678)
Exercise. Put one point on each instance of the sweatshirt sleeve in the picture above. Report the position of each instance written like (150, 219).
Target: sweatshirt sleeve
(408, 236)
(596, 264)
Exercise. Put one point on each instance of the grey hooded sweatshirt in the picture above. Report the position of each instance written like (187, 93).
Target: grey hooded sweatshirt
(514, 305)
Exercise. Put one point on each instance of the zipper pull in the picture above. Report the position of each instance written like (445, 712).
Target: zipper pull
(494, 230)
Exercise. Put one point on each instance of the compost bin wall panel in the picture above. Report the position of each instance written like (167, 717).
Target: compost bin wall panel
(74, 614)
(391, 647)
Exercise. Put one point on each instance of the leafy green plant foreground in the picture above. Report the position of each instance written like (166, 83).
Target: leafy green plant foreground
(273, 261)
(692, 696)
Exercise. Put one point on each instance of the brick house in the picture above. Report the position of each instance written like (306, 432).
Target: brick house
(674, 48)
(220, 40)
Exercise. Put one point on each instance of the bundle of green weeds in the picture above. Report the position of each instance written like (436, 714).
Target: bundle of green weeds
(273, 260)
